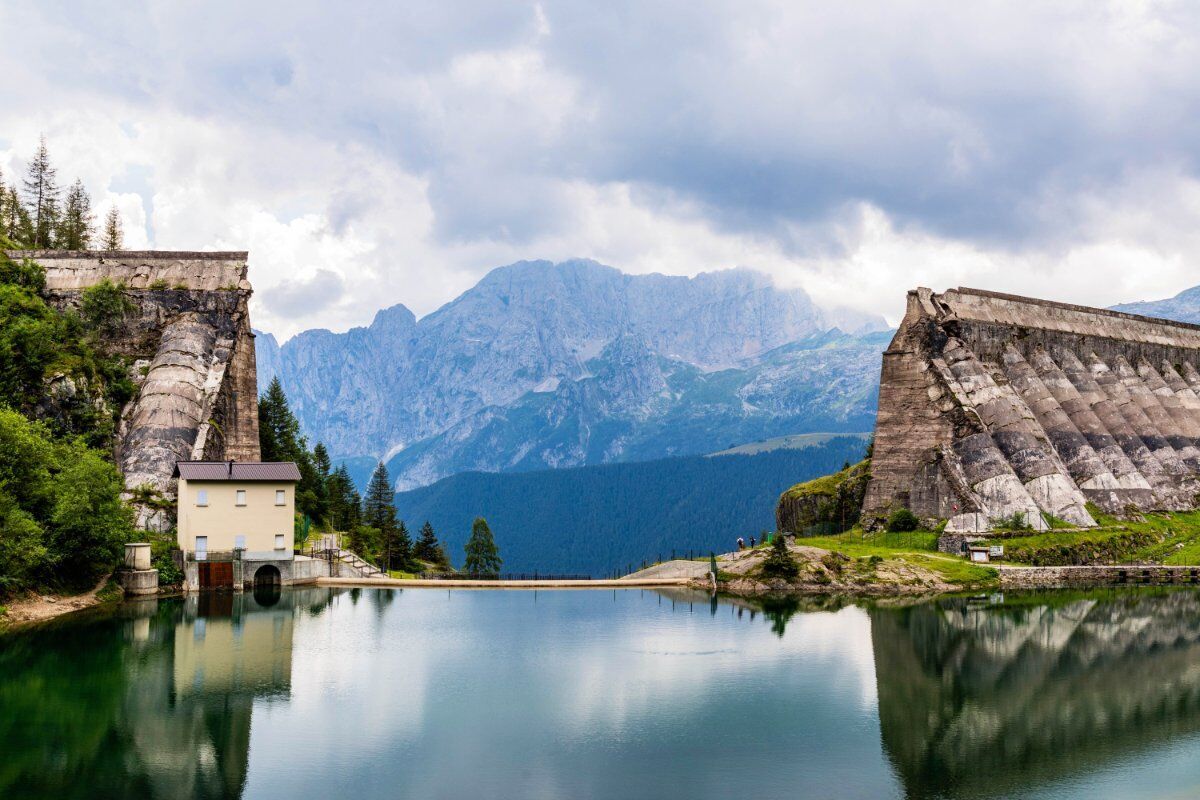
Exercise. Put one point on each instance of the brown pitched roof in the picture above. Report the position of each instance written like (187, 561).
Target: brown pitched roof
(237, 470)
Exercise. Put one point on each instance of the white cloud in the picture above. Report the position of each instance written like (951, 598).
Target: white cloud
(408, 150)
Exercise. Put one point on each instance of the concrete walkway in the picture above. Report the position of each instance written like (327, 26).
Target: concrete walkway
(416, 583)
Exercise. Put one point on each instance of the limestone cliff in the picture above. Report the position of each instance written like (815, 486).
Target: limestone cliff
(191, 351)
(992, 405)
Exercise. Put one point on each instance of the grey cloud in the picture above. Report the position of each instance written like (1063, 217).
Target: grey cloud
(976, 121)
(305, 298)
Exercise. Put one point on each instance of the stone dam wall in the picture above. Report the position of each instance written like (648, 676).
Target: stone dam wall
(192, 354)
(992, 405)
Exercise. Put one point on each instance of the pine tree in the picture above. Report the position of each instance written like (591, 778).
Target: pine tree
(279, 439)
(16, 223)
(380, 513)
(41, 197)
(428, 549)
(779, 562)
(397, 548)
(322, 472)
(483, 556)
(77, 224)
(278, 429)
(345, 505)
(113, 235)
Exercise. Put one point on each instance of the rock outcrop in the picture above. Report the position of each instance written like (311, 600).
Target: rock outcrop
(830, 504)
(192, 356)
(993, 405)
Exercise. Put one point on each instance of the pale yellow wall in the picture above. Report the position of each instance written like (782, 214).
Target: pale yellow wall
(222, 520)
(220, 654)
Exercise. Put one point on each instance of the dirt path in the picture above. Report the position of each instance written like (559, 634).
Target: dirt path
(38, 608)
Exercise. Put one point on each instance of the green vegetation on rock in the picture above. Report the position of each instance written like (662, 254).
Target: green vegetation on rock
(829, 504)
(62, 520)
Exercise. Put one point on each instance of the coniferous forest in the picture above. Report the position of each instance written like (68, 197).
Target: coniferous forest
(38, 212)
(594, 520)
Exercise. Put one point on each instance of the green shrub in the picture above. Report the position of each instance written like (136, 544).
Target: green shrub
(779, 562)
(158, 284)
(105, 306)
(902, 520)
(1015, 521)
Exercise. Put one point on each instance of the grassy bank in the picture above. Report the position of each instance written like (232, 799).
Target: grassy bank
(1172, 539)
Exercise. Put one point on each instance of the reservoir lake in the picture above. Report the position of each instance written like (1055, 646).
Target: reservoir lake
(427, 693)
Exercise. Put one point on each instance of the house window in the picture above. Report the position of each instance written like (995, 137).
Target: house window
(280, 497)
(202, 497)
(201, 547)
(239, 542)
(241, 497)
(279, 541)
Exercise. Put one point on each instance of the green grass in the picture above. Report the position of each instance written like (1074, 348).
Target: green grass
(915, 548)
(1170, 538)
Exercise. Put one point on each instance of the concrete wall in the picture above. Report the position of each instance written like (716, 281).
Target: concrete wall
(260, 520)
(192, 349)
(991, 405)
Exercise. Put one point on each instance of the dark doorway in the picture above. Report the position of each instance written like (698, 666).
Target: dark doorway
(216, 574)
(267, 575)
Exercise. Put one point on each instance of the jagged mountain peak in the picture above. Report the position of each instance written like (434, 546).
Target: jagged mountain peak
(546, 363)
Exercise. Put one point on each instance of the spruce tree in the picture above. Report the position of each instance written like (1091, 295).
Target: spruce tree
(779, 562)
(113, 235)
(380, 513)
(427, 548)
(278, 429)
(322, 469)
(41, 197)
(483, 556)
(345, 505)
(77, 224)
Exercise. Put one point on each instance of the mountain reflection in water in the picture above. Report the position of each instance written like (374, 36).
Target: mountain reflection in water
(376, 693)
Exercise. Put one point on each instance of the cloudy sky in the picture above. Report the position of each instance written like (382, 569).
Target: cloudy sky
(370, 153)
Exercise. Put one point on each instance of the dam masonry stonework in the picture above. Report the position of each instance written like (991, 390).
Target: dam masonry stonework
(191, 352)
(993, 405)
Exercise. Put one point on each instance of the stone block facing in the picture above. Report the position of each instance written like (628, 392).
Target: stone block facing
(992, 405)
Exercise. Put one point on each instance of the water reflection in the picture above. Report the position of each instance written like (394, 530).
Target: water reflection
(153, 700)
(995, 699)
(588, 694)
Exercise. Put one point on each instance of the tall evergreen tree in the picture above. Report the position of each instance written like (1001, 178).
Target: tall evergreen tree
(278, 429)
(41, 196)
(379, 512)
(77, 223)
(16, 223)
(345, 505)
(428, 548)
(322, 469)
(113, 235)
(397, 547)
(279, 439)
(483, 556)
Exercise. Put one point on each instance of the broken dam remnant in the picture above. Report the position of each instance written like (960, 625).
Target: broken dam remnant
(992, 405)
(191, 355)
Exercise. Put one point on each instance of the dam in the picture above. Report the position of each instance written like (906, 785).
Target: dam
(993, 406)
(190, 350)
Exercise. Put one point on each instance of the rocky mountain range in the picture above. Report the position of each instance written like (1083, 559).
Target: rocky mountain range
(1183, 307)
(551, 365)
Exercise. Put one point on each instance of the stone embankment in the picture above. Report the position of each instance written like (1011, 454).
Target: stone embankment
(1013, 577)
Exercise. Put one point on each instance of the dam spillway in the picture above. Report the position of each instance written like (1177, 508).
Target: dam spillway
(992, 405)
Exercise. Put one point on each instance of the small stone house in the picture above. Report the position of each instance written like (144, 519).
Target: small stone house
(236, 521)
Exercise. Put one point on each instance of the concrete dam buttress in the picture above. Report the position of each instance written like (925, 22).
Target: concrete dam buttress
(992, 405)
(192, 354)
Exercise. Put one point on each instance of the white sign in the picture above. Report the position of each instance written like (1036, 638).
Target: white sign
(996, 551)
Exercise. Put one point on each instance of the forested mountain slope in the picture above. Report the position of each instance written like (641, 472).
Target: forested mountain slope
(598, 518)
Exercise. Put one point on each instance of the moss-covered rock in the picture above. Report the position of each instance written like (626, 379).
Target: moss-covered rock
(829, 504)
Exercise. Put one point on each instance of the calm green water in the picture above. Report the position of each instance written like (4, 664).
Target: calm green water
(600, 694)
